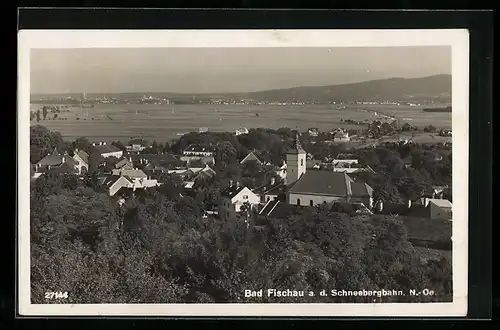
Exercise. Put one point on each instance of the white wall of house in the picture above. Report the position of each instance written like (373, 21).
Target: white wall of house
(440, 213)
(120, 183)
(344, 162)
(270, 197)
(116, 154)
(305, 199)
(198, 153)
(245, 195)
(80, 164)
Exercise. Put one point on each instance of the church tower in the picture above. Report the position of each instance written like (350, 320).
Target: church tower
(295, 162)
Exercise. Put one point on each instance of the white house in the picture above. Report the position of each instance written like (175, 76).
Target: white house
(241, 131)
(115, 182)
(440, 209)
(236, 195)
(136, 145)
(339, 135)
(197, 150)
(81, 159)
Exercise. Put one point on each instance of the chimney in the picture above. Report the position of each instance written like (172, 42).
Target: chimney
(104, 143)
(76, 150)
(100, 143)
(231, 183)
(273, 180)
(237, 184)
(409, 203)
(93, 144)
(130, 159)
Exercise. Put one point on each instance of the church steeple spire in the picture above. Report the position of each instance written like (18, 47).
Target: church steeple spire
(295, 161)
(297, 147)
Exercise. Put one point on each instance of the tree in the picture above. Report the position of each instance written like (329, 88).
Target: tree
(154, 148)
(44, 111)
(406, 127)
(95, 160)
(82, 143)
(430, 129)
(43, 141)
(38, 116)
(225, 154)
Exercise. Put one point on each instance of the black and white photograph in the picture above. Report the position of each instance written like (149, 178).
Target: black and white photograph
(243, 173)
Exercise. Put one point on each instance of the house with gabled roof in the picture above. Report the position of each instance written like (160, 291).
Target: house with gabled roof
(114, 183)
(340, 135)
(133, 173)
(81, 159)
(198, 150)
(233, 197)
(136, 145)
(270, 191)
(107, 150)
(165, 160)
(124, 164)
(57, 163)
(251, 156)
(440, 209)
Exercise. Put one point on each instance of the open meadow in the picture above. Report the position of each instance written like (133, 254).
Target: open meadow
(166, 122)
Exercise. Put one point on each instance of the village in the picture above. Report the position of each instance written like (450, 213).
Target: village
(299, 181)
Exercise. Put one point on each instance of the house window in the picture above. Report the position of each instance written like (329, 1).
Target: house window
(298, 201)
(311, 203)
(302, 162)
(267, 198)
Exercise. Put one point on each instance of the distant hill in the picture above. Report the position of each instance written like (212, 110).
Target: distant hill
(433, 87)
(393, 89)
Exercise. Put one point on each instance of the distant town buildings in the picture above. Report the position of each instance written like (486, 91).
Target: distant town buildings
(241, 131)
(313, 132)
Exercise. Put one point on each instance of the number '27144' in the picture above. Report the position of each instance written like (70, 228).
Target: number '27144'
(56, 295)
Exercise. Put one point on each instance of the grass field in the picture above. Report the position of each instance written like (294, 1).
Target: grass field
(164, 122)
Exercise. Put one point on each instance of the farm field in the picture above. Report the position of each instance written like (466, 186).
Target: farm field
(166, 122)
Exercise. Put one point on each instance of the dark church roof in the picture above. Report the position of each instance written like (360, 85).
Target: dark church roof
(323, 183)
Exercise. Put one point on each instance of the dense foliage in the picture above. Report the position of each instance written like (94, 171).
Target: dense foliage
(159, 248)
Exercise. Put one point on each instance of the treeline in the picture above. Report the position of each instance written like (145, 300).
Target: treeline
(157, 248)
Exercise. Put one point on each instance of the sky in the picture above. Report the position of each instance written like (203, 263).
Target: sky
(225, 70)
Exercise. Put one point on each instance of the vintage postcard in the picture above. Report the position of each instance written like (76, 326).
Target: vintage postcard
(243, 173)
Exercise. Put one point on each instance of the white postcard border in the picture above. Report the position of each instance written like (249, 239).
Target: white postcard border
(458, 39)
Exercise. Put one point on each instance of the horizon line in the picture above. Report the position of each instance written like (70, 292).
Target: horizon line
(255, 91)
